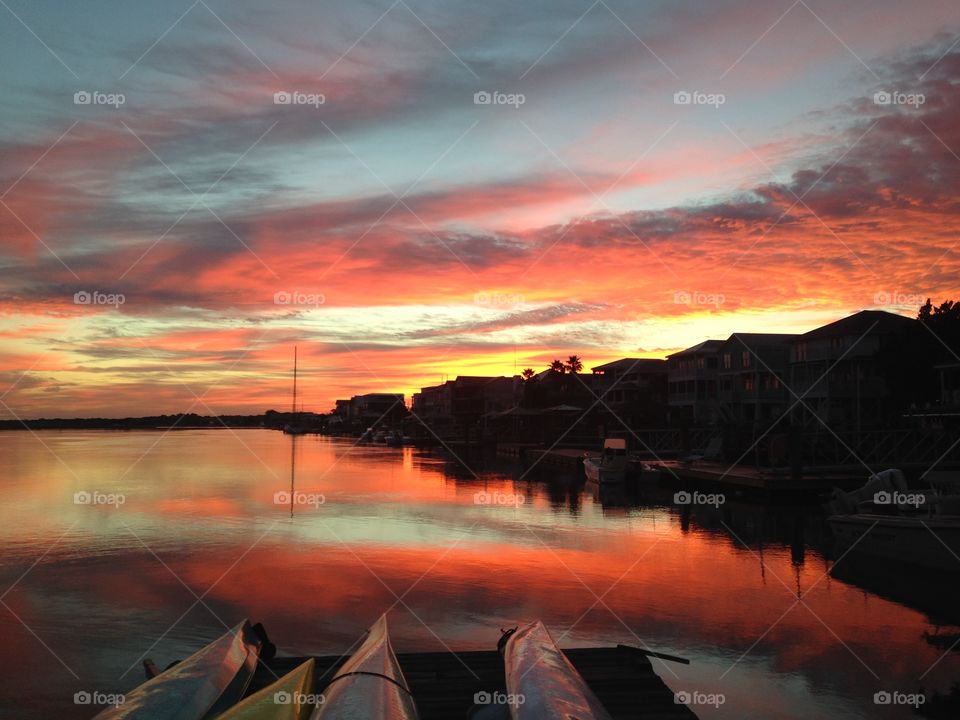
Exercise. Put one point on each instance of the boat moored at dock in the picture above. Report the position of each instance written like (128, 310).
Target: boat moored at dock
(611, 465)
(931, 542)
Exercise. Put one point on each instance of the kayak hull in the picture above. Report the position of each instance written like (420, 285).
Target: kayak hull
(202, 686)
(370, 685)
(289, 698)
(542, 683)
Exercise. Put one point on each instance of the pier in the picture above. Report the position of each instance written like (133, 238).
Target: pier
(444, 684)
(706, 474)
(761, 481)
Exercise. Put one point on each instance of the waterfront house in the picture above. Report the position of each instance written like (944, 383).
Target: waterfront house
(633, 390)
(848, 372)
(692, 381)
(458, 407)
(754, 368)
(374, 409)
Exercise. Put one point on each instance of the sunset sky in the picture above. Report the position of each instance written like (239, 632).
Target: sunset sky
(399, 231)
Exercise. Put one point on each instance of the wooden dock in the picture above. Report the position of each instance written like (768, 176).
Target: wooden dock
(444, 684)
(570, 459)
(767, 481)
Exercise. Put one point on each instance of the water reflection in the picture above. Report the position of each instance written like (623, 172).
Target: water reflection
(743, 590)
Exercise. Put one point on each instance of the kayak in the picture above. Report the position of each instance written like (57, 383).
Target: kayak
(542, 683)
(202, 686)
(289, 698)
(370, 685)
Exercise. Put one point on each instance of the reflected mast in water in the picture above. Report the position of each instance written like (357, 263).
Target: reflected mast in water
(293, 467)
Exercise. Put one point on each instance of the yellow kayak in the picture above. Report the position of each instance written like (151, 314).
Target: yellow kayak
(289, 698)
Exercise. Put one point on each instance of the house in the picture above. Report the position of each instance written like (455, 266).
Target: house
(634, 391)
(375, 409)
(692, 381)
(847, 371)
(457, 407)
(754, 368)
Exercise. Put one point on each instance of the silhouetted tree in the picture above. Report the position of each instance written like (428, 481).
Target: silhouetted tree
(527, 374)
(574, 364)
(943, 324)
(558, 366)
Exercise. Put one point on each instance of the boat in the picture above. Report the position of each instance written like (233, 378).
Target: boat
(394, 439)
(611, 465)
(542, 682)
(289, 698)
(931, 542)
(646, 472)
(843, 502)
(295, 427)
(202, 686)
(370, 685)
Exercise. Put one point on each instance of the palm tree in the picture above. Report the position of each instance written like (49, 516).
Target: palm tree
(574, 363)
(558, 366)
(527, 374)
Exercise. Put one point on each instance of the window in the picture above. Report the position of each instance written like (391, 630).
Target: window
(748, 382)
(727, 361)
(745, 359)
(801, 352)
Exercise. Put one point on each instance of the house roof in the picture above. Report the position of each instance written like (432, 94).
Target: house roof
(639, 364)
(862, 323)
(764, 337)
(707, 346)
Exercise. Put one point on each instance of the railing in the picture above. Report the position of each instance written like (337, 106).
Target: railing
(881, 448)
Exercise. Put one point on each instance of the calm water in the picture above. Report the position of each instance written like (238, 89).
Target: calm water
(743, 592)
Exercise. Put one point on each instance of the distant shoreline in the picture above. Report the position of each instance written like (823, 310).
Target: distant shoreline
(32, 426)
(270, 420)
